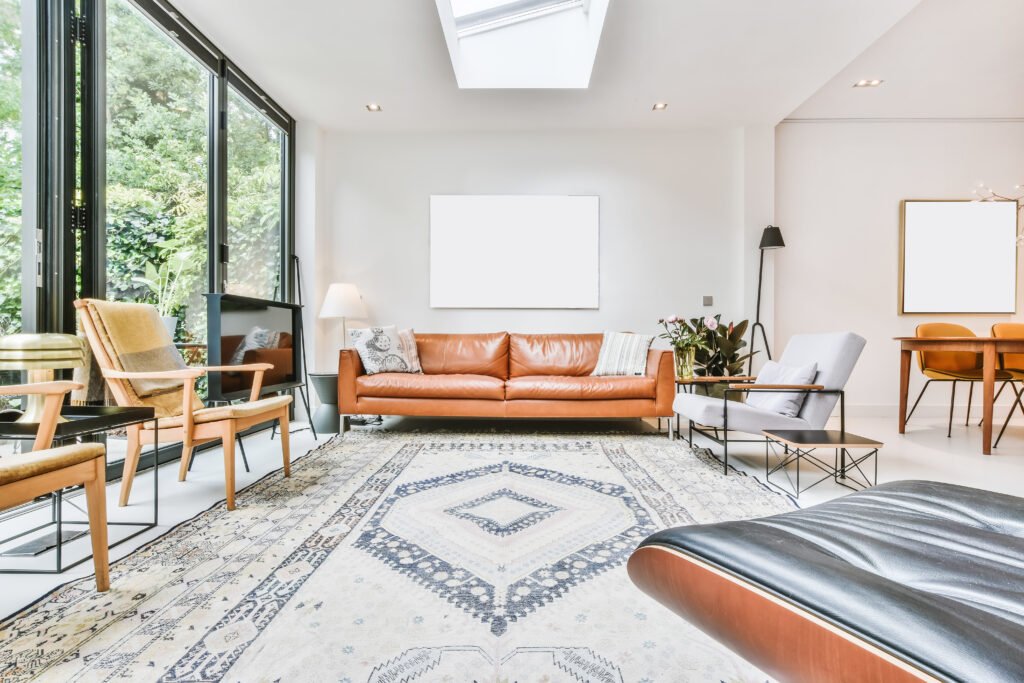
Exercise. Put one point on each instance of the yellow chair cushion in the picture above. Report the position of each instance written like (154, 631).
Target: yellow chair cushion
(230, 412)
(26, 465)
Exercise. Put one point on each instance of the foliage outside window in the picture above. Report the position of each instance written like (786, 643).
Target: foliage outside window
(10, 167)
(254, 201)
(157, 168)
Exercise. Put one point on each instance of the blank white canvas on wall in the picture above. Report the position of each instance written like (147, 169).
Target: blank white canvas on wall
(514, 251)
(959, 257)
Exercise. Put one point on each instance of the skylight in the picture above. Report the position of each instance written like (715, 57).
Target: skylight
(477, 16)
(522, 43)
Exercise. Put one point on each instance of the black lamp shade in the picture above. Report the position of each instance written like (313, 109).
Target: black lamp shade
(771, 238)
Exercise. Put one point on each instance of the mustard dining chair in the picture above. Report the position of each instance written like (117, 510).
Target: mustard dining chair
(951, 366)
(1013, 364)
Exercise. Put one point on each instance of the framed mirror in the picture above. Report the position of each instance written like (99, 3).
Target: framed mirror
(958, 257)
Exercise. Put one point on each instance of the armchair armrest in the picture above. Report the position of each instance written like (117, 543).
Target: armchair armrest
(47, 388)
(660, 366)
(185, 373)
(247, 367)
(776, 387)
(257, 381)
(350, 367)
(53, 393)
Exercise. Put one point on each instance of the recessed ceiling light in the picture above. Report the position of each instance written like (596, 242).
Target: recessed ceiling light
(373, 106)
(868, 83)
(660, 106)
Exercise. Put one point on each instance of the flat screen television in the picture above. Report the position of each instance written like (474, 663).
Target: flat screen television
(244, 330)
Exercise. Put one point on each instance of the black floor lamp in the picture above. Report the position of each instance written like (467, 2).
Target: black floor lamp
(771, 238)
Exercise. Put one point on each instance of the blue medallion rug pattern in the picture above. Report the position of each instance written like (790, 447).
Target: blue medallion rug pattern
(407, 557)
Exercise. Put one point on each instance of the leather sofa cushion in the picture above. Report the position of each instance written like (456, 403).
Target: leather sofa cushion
(931, 572)
(464, 354)
(573, 355)
(414, 385)
(553, 388)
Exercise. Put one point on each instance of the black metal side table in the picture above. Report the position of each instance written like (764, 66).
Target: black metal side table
(82, 423)
(844, 469)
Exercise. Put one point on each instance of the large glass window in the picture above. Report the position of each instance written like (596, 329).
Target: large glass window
(157, 172)
(254, 201)
(17, 167)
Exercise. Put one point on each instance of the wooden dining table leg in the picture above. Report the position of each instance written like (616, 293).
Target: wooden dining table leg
(905, 356)
(989, 373)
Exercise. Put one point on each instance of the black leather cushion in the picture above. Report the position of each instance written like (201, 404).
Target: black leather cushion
(933, 573)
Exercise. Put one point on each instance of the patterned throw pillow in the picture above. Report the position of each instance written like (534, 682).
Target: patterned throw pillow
(623, 353)
(382, 349)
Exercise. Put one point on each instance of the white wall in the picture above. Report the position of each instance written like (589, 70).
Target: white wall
(672, 212)
(838, 192)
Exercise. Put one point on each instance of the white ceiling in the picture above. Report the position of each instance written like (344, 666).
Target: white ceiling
(715, 62)
(946, 59)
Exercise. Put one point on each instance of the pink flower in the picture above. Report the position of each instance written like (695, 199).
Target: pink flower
(710, 323)
(671, 319)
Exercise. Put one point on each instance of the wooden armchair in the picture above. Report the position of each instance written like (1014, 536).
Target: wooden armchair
(142, 367)
(26, 476)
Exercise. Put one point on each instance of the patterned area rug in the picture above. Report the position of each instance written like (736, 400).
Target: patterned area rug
(408, 557)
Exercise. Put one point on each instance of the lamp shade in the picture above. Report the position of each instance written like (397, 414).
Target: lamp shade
(343, 301)
(771, 238)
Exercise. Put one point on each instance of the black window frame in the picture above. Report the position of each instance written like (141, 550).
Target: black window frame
(61, 29)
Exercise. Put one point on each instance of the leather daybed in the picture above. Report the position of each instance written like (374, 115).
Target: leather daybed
(911, 580)
(507, 375)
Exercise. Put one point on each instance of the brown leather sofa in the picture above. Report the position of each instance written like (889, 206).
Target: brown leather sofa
(507, 375)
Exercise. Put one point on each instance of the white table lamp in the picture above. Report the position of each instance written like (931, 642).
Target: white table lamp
(343, 301)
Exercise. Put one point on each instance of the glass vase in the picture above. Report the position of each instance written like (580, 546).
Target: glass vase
(684, 362)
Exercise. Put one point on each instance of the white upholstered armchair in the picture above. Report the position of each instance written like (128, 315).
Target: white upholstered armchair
(827, 361)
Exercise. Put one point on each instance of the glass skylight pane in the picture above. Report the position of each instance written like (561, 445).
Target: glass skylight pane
(462, 8)
(477, 16)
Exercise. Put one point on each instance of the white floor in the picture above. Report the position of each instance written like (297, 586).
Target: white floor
(179, 501)
(923, 453)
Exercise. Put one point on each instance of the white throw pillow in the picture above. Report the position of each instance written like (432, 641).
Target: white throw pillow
(623, 353)
(408, 339)
(787, 403)
(381, 349)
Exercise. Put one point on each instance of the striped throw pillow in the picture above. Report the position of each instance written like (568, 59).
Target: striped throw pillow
(623, 353)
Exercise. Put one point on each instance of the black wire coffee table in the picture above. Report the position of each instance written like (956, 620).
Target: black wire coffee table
(845, 468)
(83, 423)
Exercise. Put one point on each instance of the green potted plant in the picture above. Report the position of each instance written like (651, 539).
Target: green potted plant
(168, 286)
(721, 355)
(684, 342)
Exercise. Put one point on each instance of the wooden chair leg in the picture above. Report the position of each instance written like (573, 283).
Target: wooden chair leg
(186, 462)
(285, 446)
(96, 502)
(228, 439)
(131, 463)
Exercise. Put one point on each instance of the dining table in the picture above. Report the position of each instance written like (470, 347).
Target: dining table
(989, 348)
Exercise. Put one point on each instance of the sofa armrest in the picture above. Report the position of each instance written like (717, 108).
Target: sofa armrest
(349, 368)
(660, 366)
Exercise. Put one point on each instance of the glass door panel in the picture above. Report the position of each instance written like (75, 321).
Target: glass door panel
(254, 201)
(158, 99)
(17, 166)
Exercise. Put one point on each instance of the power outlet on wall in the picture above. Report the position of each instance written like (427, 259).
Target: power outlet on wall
(708, 300)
